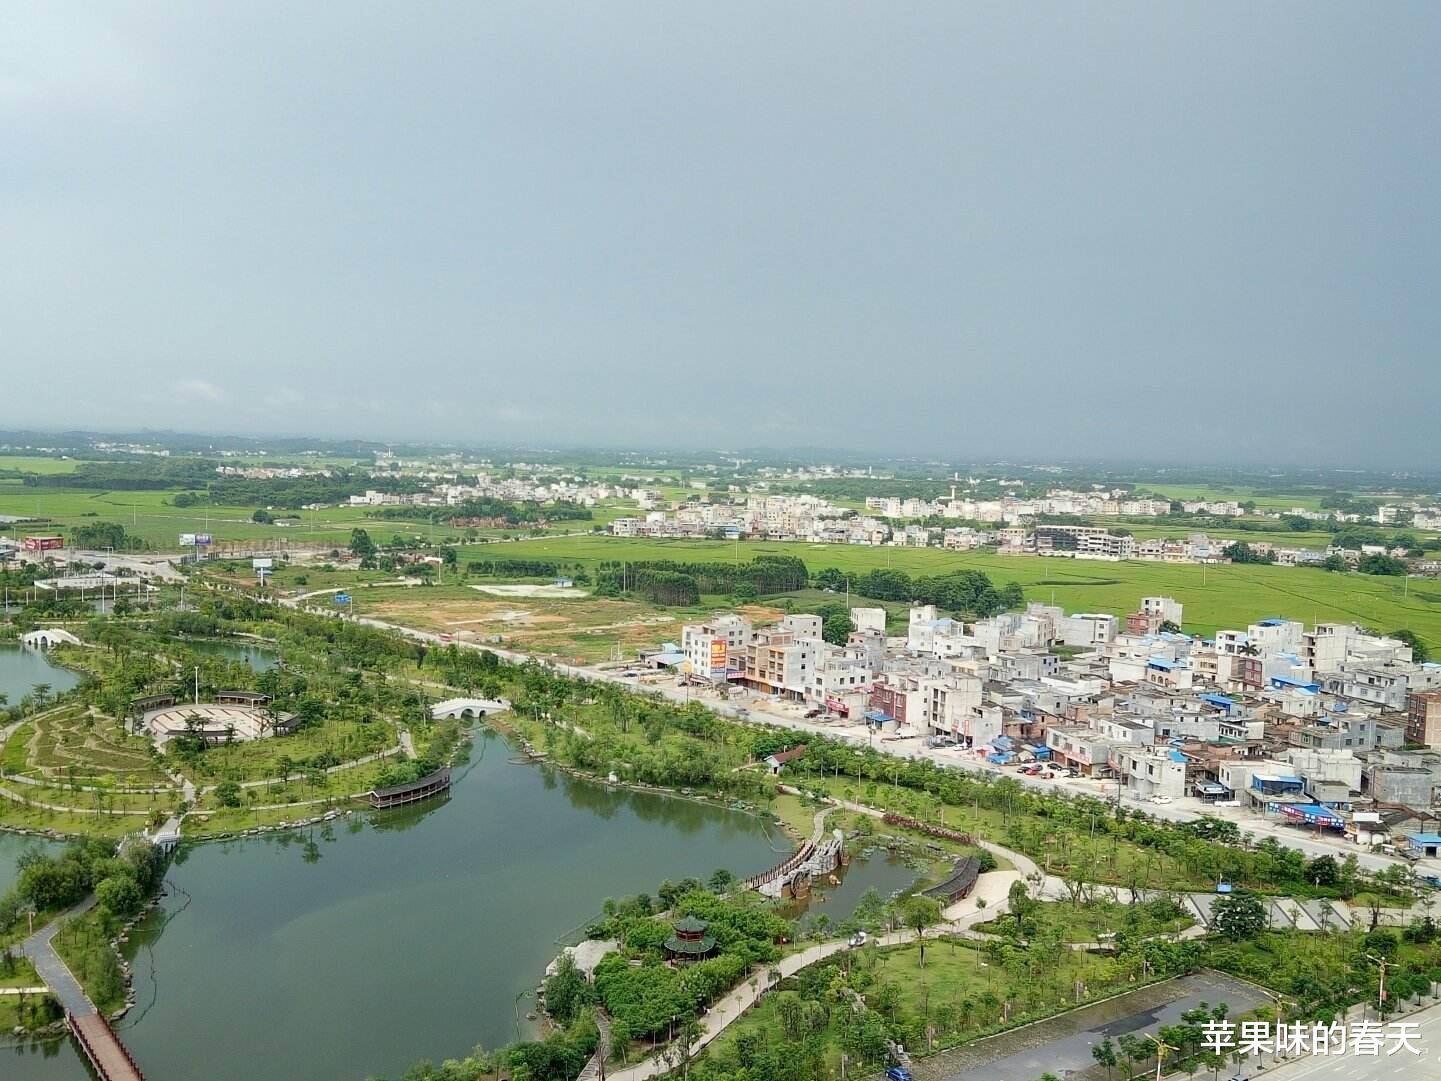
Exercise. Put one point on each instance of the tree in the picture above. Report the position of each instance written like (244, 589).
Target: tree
(227, 793)
(1378, 563)
(836, 625)
(566, 990)
(262, 517)
(1105, 1055)
(918, 913)
(361, 545)
(720, 880)
(1334, 563)
(120, 894)
(1238, 916)
(1420, 652)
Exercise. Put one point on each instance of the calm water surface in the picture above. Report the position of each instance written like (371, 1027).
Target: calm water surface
(349, 951)
(21, 669)
(259, 658)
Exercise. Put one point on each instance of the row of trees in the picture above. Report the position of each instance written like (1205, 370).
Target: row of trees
(964, 592)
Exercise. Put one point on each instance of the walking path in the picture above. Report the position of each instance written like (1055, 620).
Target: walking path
(40, 949)
(991, 888)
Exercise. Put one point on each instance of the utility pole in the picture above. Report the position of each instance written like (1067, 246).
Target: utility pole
(197, 684)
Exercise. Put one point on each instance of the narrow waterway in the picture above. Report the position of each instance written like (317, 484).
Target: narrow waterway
(350, 950)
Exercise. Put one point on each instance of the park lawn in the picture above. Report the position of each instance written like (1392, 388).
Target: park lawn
(14, 758)
(257, 760)
(18, 971)
(1111, 860)
(69, 744)
(1321, 971)
(99, 799)
(796, 813)
(84, 946)
(958, 989)
(1215, 597)
(223, 820)
(300, 789)
(23, 816)
(1088, 922)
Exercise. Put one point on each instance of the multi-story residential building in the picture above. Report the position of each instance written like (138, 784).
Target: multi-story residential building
(782, 660)
(1081, 749)
(715, 649)
(1087, 629)
(1423, 718)
(1378, 686)
(1150, 772)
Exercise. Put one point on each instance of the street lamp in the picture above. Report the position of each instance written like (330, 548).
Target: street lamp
(1161, 1049)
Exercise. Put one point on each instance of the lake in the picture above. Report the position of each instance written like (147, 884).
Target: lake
(21, 669)
(259, 657)
(12, 847)
(349, 951)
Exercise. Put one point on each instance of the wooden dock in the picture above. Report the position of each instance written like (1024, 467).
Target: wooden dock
(109, 1057)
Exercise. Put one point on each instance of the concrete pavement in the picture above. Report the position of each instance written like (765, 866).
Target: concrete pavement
(40, 949)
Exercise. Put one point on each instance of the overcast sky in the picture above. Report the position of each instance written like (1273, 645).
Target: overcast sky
(1182, 230)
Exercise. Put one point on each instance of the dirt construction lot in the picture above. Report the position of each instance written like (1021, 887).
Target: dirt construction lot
(573, 629)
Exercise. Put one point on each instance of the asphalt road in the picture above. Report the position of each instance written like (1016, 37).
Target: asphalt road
(1062, 1045)
(1382, 1067)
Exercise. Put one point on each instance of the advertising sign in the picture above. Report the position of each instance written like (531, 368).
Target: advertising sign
(187, 540)
(718, 657)
(342, 598)
(262, 564)
(43, 544)
(204, 538)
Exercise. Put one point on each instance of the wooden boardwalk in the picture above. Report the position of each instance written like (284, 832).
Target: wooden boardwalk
(110, 1058)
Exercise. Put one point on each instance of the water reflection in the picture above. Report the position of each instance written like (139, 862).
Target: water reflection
(393, 943)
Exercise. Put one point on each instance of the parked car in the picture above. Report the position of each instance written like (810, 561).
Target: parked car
(859, 939)
(811, 714)
(1161, 799)
(898, 1073)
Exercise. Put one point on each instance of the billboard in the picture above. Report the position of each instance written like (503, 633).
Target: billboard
(43, 544)
(342, 598)
(187, 540)
(717, 657)
(262, 564)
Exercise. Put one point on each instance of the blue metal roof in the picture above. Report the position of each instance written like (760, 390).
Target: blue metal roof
(1175, 756)
(1424, 838)
(1311, 812)
(1218, 700)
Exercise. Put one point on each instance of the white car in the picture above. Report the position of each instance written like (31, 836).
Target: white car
(1161, 799)
(858, 939)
